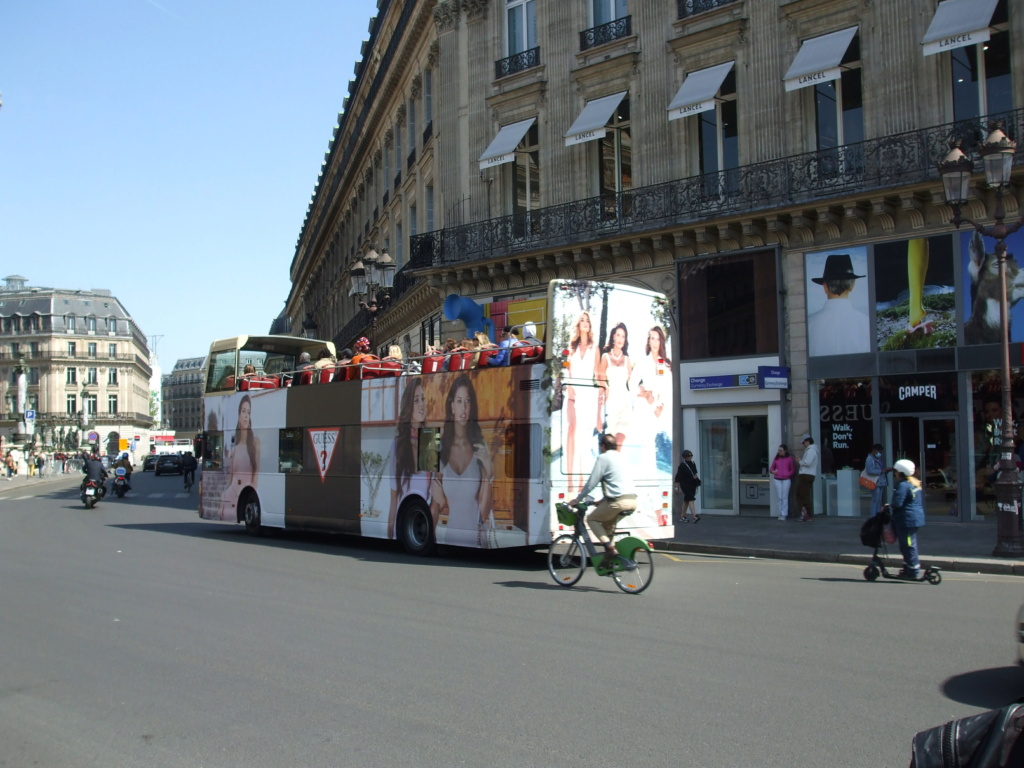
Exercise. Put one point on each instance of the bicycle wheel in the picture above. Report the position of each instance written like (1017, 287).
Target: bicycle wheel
(636, 580)
(566, 560)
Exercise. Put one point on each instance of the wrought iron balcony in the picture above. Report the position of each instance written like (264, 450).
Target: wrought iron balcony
(879, 164)
(688, 8)
(517, 62)
(606, 33)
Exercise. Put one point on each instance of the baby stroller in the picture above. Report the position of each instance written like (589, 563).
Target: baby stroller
(872, 535)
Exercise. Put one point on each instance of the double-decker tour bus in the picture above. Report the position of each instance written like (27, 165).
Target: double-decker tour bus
(445, 449)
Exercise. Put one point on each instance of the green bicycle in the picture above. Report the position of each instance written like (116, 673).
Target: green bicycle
(570, 553)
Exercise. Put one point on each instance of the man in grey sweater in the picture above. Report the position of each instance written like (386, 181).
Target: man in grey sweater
(619, 495)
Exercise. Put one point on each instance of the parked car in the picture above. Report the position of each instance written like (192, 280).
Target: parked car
(149, 462)
(169, 463)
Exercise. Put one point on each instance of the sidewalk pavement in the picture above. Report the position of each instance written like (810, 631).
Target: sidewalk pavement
(951, 546)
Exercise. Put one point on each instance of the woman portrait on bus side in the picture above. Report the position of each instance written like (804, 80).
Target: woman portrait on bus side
(651, 385)
(614, 370)
(582, 409)
(464, 484)
(405, 477)
(245, 455)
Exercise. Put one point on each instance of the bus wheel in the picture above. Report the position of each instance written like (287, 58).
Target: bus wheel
(251, 514)
(416, 529)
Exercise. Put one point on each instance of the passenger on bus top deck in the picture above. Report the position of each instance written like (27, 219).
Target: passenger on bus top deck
(362, 346)
(324, 360)
(305, 363)
(249, 370)
(345, 357)
(508, 340)
(530, 335)
(394, 352)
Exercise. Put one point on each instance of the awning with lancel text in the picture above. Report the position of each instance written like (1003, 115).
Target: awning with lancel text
(958, 23)
(502, 148)
(591, 123)
(818, 59)
(697, 93)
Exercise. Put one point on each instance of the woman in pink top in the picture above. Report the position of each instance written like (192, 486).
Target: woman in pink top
(782, 470)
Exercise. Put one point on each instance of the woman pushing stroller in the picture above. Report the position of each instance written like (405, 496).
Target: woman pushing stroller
(907, 516)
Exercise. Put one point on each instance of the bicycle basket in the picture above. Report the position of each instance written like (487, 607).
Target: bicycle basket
(566, 514)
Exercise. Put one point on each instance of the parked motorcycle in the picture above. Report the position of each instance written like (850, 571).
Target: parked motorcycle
(91, 493)
(120, 482)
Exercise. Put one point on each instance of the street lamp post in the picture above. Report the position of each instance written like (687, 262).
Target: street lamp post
(373, 277)
(956, 169)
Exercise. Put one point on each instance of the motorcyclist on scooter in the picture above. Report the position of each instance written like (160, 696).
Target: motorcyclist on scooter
(126, 463)
(93, 470)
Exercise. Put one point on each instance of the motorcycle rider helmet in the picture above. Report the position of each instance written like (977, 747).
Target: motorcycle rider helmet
(904, 467)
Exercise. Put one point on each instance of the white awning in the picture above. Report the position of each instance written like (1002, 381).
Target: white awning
(697, 93)
(592, 120)
(502, 148)
(957, 23)
(818, 59)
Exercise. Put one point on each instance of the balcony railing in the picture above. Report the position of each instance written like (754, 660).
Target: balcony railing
(878, 164)
(62, 354)
(688, 8)
(606, 33)
(517, 62)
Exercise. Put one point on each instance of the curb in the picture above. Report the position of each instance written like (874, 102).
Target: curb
(952, 564)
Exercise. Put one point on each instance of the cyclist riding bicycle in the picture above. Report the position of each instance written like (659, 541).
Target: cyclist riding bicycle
(188, 469)
(619, 496)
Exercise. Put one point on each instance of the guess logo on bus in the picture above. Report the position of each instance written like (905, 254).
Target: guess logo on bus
(323, 441)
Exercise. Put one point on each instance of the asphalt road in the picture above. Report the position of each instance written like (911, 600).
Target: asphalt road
(136, 634)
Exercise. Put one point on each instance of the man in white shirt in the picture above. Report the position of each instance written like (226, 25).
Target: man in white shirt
(619, 500)
(838, 328)
(805, 479)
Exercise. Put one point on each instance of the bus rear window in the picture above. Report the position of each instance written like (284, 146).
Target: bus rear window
(220, 374)
(290, 450)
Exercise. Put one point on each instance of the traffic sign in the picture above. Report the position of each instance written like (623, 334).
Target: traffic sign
(30, 415)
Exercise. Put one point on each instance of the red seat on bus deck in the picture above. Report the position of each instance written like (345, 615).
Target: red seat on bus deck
(229, 382)
(325, 375)
(460, 361)
(389, 368)
(433, 364)
(258, 382)
(486, 355)
(345, 372)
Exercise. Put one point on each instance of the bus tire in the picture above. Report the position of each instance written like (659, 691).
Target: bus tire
(416, 529)
(250, 513)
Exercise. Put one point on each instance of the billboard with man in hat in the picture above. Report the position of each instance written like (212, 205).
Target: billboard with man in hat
(837, 305)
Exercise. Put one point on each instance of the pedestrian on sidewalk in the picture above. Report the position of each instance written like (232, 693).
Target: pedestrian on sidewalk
(875, 466)
(12, 468)
(805, 479)
(907, 516)
(40, 463)
(687, 482)
(782, 470)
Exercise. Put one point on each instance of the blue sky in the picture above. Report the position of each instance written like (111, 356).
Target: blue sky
(167, 150)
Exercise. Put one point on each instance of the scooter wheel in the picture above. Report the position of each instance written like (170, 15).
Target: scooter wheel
(871, 573)
(933, 577)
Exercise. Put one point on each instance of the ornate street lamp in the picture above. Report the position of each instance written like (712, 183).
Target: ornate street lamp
(997, 156)
(373, 277)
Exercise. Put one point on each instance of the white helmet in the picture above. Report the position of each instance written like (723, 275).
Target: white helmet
(904, 467)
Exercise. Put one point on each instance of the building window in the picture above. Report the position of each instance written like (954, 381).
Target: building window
(111, 403)
(412, 220)
(112, 350)
(719, 138)
(111, 325)
(525, 181)
(92, 349)
(981, 73)
(71, 404)
(15, 349)
(33, 376)
(728, 304)
(521, 18)
(412, 125)
(398, 155)
(430, 332)
(399, 257)
(72, 377)
(69, 323)
(90, 324)
(90, 403)
(428, 195)
(838, 104)
(33, 348)
(72, 349)
(428, 101)
(91, 376)
(608, 10)
(111, 375)
(615, 162)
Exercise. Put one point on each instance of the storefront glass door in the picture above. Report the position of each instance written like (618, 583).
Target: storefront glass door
(717, 481)
(929, 442)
